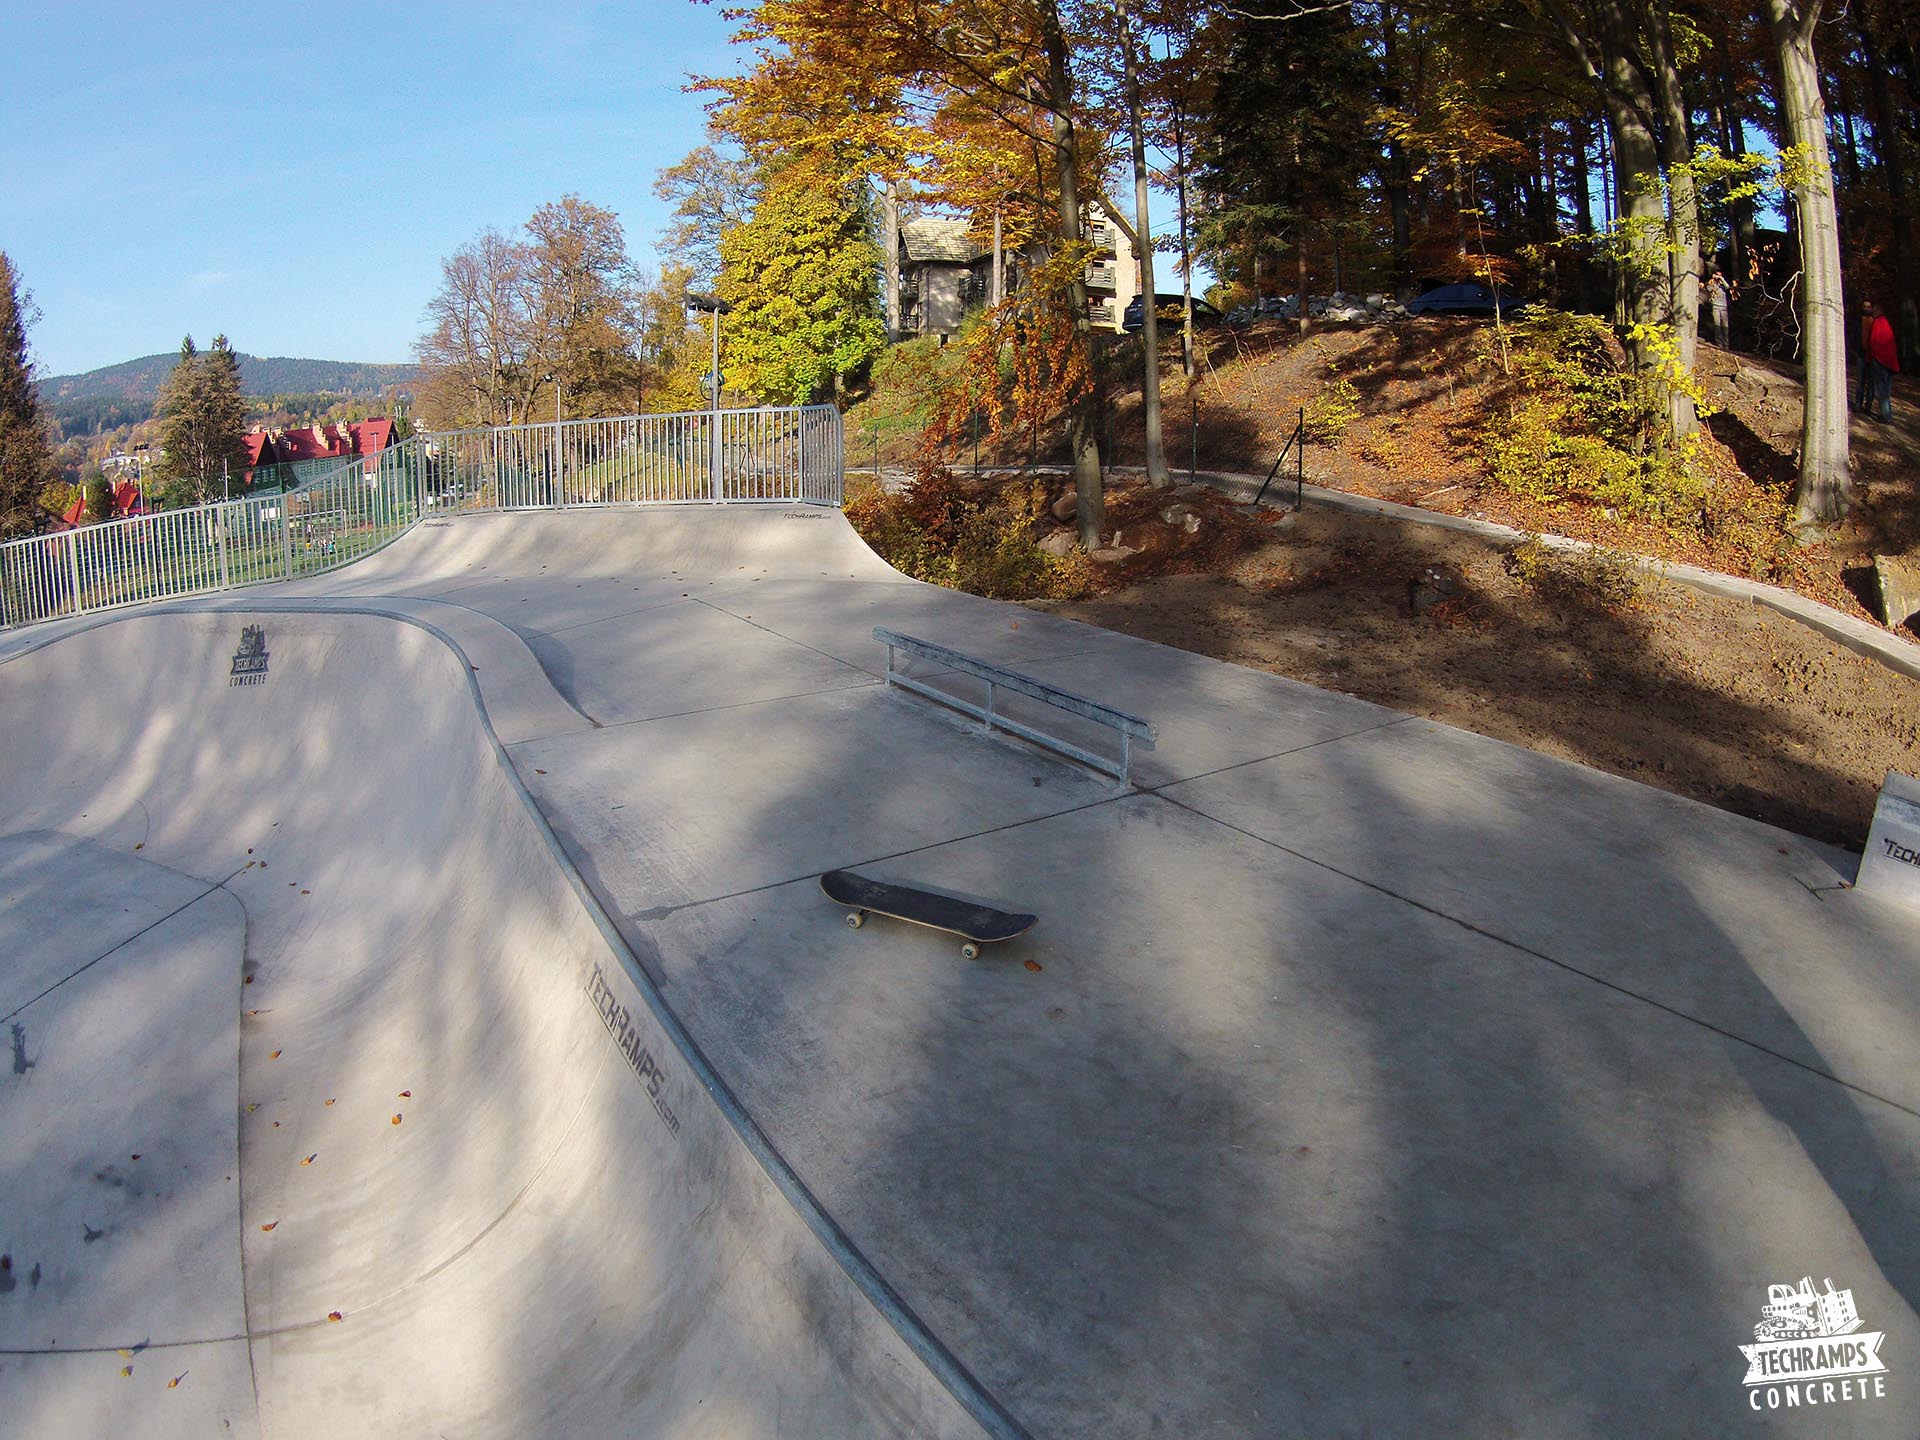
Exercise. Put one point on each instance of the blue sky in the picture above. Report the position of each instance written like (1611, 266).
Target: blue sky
(292, 176)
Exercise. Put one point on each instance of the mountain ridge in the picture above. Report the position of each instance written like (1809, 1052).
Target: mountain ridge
(140, 379)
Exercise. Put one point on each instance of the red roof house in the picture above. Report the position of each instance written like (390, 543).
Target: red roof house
(335, 440)
(126, 501)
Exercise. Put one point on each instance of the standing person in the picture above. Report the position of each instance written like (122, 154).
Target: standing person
(1863, 387)
(1718, 297)
(1883, 362)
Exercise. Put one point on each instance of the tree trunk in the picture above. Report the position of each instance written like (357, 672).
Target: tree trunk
(1186, 253)
(890, 222)
(1157, 475)
(1582, 140)
(1399, 177)
(1683, 221)
(1088, 483)
(1300, 257)
(1825, 490)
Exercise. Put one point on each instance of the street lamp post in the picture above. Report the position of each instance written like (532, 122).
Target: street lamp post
(716, 307)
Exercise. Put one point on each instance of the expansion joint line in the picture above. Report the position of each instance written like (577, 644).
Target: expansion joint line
(145, 929)
(1511, 944)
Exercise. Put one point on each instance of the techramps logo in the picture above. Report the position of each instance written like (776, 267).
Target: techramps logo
(1811, 1351)
(250, 660)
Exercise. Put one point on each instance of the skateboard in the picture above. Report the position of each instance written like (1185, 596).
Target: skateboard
(976, 925)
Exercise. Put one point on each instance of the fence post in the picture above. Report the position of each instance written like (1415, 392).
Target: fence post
(715, 461)
(559, 471)
(220, 540)
(73, 569)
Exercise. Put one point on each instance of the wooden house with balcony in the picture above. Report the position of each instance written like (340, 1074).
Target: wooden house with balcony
(944, 273)
(1113, 275)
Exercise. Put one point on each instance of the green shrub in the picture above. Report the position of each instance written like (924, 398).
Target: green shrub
(1581, 426)
(936, 528)
(1331, 411)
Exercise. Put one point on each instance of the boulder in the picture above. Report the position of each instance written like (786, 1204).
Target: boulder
(1066, 506)
(1433, 585)
(1111, 554)
(1058, 543)
(1898, 586)
(1183, 516)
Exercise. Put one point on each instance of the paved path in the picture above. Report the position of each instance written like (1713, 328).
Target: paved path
(1362, 1077)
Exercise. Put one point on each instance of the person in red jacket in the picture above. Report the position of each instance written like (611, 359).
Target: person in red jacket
(1883, 361)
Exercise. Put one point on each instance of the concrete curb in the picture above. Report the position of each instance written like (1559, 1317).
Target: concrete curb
(1856, 635)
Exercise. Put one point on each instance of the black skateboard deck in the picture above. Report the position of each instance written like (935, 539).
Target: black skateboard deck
(977, 925)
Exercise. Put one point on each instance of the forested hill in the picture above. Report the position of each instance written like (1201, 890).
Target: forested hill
(133, 385)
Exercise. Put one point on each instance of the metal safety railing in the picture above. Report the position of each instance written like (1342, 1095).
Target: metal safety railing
(792, 456)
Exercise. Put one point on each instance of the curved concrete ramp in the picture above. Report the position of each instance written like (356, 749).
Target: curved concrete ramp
(333, 1111)
(1362, 1076)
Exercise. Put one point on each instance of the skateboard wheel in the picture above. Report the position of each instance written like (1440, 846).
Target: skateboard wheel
(856, 919)
(969, 951)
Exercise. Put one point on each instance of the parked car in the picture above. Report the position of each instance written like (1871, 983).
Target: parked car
(1469, 297)
(1169, 309)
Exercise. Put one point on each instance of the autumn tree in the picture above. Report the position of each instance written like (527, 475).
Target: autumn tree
(528, 324)
(477, 356)
(582, 288)
(801, 275)
(26, 457)
(203, 419)
(839, 80)
(711, 191)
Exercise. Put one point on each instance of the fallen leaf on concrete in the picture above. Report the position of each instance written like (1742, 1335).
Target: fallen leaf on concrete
(274, 1056)
(329, 1102)
(406, 1094)
(396, 1119)
(311, 1158)
(174, 1383)
(334, 1316)
(1033, 965)
(269, 1225)
(127, 1369)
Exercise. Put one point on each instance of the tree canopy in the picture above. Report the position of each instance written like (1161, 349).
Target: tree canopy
(26, 455)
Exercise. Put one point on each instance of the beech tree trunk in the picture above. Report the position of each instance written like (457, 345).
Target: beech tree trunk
(1082, 443)
(1683, 219)
(1157, 475)
(1825, 489)
(890, 222)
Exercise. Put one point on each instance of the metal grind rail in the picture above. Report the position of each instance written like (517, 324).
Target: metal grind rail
(767, 456)
(1131, 728)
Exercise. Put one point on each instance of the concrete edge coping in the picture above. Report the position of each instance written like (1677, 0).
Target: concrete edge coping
(980, 1404)
(1856, 635)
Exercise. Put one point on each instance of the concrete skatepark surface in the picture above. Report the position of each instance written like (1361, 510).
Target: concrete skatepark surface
(1362, 1076)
